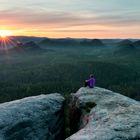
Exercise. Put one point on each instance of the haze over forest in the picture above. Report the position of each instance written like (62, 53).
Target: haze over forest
(34, 65)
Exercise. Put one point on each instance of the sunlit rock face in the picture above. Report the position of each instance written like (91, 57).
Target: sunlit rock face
(33, 118)
(104, 115)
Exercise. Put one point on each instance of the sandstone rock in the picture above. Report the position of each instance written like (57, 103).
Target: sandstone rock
(104, 115)
(33, 118)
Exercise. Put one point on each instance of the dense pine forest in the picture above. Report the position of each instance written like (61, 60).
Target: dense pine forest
(63, 68)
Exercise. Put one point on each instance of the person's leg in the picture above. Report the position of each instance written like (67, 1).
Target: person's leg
(86, 84)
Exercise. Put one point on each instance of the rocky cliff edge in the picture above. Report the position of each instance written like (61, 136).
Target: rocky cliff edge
(100, 114)
(33, 118)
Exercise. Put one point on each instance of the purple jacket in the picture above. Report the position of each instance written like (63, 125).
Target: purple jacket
(91, 82)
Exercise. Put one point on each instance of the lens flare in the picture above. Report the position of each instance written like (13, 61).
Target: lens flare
(6, 41)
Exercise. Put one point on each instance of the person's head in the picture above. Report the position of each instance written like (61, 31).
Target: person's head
(91, 75)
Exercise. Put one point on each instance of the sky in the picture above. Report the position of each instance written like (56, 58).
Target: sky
(71, 18)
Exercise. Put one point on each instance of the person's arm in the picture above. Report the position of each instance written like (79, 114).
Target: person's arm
(88, 80)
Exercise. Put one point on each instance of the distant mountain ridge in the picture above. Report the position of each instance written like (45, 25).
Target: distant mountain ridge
(126, 47)
(137, 43)
(72, 42)
(129, 42)
(93, 42)
(58, 42)
(30, 45)
(35, 42)
(126, 41)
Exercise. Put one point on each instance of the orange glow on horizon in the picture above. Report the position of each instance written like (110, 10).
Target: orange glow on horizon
(55, 34)
(85, 31)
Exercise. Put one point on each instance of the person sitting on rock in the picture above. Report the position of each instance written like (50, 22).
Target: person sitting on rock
(90, 82)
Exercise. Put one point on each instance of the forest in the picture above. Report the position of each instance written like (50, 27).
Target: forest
(63, 69)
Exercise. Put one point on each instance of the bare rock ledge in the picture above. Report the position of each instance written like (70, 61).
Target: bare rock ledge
(33, 118)
(101, 114)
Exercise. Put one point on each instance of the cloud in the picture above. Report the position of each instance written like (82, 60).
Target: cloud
(59, 19)
(44, 22)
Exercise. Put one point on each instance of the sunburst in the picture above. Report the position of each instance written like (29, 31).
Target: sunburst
(5, 33)
(5, 40)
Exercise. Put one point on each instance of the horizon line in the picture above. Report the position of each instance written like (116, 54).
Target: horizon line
(70, 37)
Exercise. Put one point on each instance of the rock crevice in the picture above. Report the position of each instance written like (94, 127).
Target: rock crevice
(95, 114)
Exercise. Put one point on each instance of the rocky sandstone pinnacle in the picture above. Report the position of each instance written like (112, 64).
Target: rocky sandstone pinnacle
(33, 118)
(104, 115)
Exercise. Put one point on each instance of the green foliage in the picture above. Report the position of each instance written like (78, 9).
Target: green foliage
(64, 70)
(67, 132)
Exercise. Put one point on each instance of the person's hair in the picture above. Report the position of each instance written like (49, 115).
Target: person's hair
(91, 75)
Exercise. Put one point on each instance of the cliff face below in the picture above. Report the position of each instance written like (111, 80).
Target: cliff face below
(100, 114)
(33, 118)
(95, 114)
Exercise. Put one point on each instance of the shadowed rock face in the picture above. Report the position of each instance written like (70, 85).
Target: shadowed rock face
(105, 115)
(33, 118)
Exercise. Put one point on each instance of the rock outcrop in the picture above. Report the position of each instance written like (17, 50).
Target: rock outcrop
(31, 46)
(101, 114)
(33, 118)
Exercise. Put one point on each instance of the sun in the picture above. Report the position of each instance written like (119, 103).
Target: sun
(5, 33)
